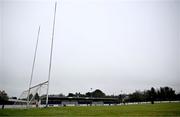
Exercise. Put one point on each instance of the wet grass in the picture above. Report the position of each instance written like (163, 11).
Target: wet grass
(163, 109)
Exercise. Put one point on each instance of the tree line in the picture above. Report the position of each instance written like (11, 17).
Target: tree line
(161, 94)
(96, 94)
(151, 95)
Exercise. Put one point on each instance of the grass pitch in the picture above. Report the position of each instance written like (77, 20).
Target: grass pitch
(163, 109)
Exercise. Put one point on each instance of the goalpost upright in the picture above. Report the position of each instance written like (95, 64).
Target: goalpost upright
(32, 72)
(50, 60)
(33, 65)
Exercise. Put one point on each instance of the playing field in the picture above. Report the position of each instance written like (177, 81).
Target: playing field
(163, 109)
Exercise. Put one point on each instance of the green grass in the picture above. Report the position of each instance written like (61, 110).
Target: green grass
(163, 109)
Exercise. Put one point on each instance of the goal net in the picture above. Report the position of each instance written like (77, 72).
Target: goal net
(33, 96)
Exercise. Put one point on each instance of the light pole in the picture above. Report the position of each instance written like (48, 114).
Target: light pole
(91, 97)
(91, 92)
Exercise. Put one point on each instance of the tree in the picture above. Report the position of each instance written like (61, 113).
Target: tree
(178, 96)
(147, 94)
(166, 93)
(3, 98)
(152, 95)
(78, 94)
(98, 93)
(88, 94)
(61, 95)
(120, 97)
(36, 97)
(136, 97)
(14, 97)
(169, 93)
(30, 96)
(70, 95)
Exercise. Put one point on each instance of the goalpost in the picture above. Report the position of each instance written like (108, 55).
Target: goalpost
(52, 43)
(34, 94)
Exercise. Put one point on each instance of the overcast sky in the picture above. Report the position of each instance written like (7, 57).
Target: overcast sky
(113, 45)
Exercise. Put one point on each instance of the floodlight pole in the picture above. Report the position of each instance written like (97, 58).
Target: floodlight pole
(34, 60)
(52, 42)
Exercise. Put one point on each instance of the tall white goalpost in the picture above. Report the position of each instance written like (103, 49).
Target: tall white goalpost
(32, 72)
(29, 97)
(50, 60)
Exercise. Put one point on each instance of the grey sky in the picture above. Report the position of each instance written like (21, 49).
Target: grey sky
(112, 45)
